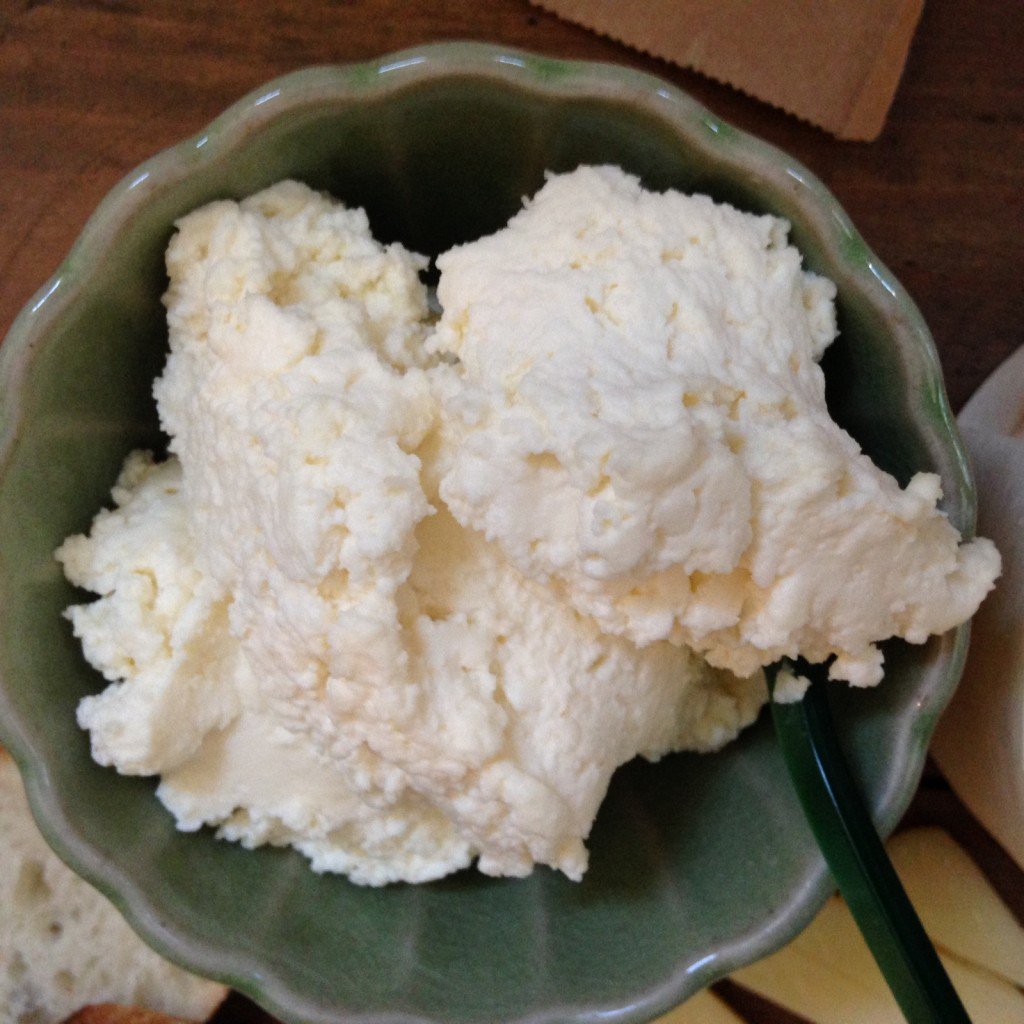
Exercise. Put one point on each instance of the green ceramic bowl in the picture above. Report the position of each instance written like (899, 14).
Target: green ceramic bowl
(699, 864)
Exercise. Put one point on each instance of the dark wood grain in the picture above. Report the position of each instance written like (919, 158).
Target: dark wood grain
(89, 88)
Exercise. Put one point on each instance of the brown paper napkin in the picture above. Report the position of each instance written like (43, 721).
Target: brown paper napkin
(835, 63)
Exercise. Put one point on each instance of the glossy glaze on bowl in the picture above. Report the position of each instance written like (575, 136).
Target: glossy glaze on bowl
(699, 864)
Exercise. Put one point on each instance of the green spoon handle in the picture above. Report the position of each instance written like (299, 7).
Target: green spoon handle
(857, 859)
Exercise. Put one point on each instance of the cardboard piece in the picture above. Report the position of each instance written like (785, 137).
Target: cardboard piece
(836, 64)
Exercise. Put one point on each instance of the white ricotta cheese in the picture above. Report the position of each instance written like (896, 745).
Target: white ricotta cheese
(406, 599)
(301, 640)
(642, 419)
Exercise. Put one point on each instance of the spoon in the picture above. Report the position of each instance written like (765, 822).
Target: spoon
(856, 857)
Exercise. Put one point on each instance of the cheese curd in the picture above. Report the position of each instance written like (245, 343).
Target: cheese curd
(301, 640)
(642, 419)
(404, 596)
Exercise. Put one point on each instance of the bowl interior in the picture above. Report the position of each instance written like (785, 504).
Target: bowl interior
(698, 863)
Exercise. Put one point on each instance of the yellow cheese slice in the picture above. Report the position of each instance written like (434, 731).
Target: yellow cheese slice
(827, 976)
(703, 1008)
(958, 907)
(987, 997)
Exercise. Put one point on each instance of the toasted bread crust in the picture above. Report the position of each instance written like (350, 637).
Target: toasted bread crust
(111, 1013)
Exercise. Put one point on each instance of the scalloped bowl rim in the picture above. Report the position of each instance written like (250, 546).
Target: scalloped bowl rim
(538, 75)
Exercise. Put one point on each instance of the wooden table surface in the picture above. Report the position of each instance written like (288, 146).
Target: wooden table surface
(89, 88)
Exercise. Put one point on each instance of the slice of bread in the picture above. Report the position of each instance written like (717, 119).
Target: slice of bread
(63, 945)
